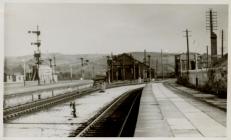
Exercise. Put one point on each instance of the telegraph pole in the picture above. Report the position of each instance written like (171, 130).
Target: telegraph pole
(156, 68)
(37, 54)
(187, 52)
(162, 69)
(222, 42)
(145, 61)
(187, 36)
(207, 54)
(134, 69)
(196, 70)
(123, 63)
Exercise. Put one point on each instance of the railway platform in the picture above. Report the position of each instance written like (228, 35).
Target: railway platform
(31, 86)
(164, 113)
(16, 94)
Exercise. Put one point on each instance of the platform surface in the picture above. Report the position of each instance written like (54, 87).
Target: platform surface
(163, 113)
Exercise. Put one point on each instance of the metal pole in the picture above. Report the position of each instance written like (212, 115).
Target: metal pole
(187, 53)
(211, 22)
(156, 68)
(39, 54)
(222, 41)
(145, 69)
(180, 66)
(139, 71)
(162, 65)
(207, 54)
(134, 70)
(196, 67)
(109, 75)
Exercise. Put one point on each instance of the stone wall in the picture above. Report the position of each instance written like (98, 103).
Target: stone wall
(210, 80)
(198, 77)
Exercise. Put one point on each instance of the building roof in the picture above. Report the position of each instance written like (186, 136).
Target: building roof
(131, 57)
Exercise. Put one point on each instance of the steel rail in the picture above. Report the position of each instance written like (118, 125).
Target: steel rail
(34, 106)
(127, 116)
(104, 113)
(16, 111)
(100, 116)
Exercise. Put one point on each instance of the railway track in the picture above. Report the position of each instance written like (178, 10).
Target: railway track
(16, 111)
(19, 110)
(117, 119)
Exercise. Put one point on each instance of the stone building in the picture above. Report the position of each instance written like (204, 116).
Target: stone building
(126, 67)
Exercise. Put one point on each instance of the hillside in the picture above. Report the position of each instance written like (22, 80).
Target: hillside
(96, 65)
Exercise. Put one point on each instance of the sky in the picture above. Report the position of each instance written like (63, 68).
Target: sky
(110, 28)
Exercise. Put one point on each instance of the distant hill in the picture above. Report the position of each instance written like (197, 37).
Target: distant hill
(97, 63)
(63, 62)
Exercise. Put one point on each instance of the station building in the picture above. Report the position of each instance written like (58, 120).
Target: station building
(126, 67)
